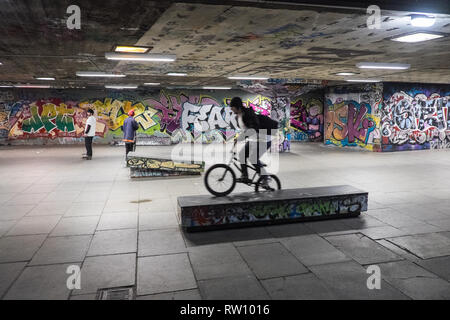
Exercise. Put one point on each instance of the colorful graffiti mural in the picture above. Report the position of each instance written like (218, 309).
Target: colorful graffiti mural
(306, 114)
(352, 119)
(415, 122)
(175, 115)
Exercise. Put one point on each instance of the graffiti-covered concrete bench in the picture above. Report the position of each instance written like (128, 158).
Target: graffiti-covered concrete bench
(204, 212)
(153, 167)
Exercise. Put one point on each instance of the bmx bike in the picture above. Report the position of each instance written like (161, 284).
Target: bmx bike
(220, 179)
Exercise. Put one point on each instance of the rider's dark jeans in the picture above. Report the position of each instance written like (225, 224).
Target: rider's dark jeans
(259, 154)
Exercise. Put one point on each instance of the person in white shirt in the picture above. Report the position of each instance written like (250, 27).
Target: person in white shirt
(89, 134)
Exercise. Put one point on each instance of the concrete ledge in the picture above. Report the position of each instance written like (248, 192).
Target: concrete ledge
(141, 167)
(201, 213)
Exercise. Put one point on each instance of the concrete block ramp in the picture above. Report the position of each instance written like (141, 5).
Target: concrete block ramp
(141, 167)
(204, 212)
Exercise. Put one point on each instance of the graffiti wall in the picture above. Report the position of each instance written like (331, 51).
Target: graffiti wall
(352, 116)
(38, 116)
(306, 117)
(415, 117)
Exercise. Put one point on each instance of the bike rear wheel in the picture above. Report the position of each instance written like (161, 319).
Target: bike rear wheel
(220, 180)
(273, 185)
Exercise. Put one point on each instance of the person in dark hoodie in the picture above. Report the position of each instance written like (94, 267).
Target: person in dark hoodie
(129, 132)
(251, 124)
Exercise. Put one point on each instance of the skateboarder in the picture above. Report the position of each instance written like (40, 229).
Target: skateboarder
(129, 132)
(89, 134)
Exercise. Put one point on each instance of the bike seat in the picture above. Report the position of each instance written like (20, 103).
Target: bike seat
(261, 164)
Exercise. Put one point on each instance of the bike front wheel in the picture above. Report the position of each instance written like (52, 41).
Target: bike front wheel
(273, 183)
(220, 180)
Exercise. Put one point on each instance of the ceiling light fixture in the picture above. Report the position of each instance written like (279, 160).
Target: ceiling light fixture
(177, 74)
(217, 88)
(417, 37)
(345, 73)
(45, 78)
(376, 65)
(152, 83)
(248, 78)
(4, 86)
(422, 20)
(132, 49)
(362, 80)
(99, 74)
(113, 86)
(140, 57)
(32, 86)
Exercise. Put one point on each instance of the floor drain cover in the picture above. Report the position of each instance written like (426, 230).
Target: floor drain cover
(140, 201)
(116, 294)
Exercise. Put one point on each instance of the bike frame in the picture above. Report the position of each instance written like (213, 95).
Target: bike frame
(235, 161)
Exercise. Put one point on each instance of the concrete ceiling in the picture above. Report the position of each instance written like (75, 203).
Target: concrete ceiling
(213, 41)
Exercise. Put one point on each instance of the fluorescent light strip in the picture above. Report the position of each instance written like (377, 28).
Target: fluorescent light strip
(417, 37)
(6, 86)
(152, 83)
(120, 87)
(421, 20)
(140, 57)
(362, 80)
(32, 86)
(99, 74)
(376, 65)
(345, 74)
(177, 74)
(45, 78)
(217, 88)
(131, 49)
(248, 78)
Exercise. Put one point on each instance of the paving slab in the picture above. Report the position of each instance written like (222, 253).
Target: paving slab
(156, 242)
(439, 266)
(19, 248)
(299, 287)
(34, 225)
(8, 274)
(362, 249)
(234, 288)
(157, 220)
(62, 250)
(41, 283)
(6, 225)
(73, 226)
(107, 272)
(313, 250)
(348, 280)
(193, 294)
(217, 261)
(50, 209)
(113, 242)
(158, 274)
(15, 212)
(415, 281)
(384, 232)
(271, 260)
(289, 230)
(118, 220)
(425, 246)
(226, 236)
(82, 209)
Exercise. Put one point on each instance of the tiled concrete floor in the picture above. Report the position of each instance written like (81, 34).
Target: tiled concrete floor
(57, 210)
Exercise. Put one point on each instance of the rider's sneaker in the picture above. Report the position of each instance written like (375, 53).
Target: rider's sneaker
(243, 180)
